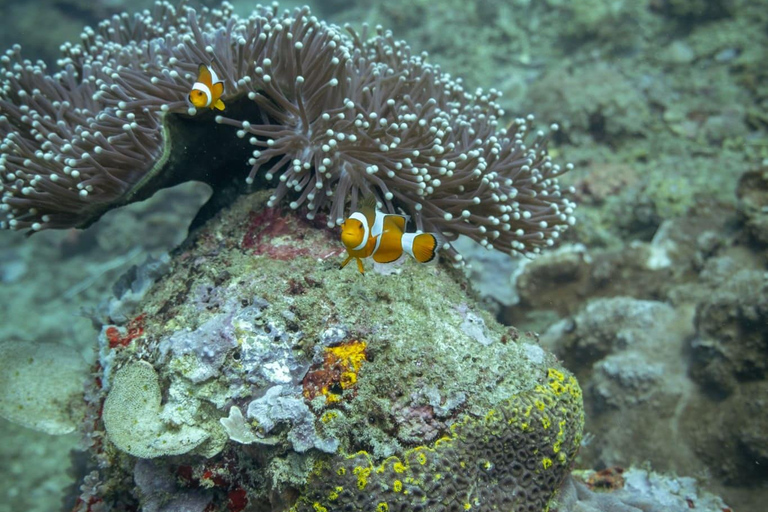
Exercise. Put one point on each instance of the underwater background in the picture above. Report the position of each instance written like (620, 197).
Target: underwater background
(656, 299)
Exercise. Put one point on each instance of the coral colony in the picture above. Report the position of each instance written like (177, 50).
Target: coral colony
(284, 394)
(329, 115)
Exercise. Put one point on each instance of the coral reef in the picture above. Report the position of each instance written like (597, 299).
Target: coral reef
(330, 116)
(728, 361)
(51, 284)
(696, 9)
(624, 351)
(731, 345)
(132, 416)
(738, 458)
(668, 340)
(251, 369)
(752, 192)
(656, 229)
(594, 100)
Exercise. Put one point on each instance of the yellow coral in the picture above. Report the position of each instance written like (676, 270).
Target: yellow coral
(352, 353)
(348, 379)
(338, 371)
(553, 374)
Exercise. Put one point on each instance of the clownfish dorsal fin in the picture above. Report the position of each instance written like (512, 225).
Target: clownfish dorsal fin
(204, 75)
(368, 208)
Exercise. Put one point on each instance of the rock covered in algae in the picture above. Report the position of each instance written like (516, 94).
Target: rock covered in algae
(41, 385)
(313, 388)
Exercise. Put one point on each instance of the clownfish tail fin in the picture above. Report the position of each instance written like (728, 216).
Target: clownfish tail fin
(423, 247)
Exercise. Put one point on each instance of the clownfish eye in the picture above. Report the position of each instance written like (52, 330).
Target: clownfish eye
(353, 225)
(198, 98)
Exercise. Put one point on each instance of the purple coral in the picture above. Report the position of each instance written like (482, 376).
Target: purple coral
(339, 115)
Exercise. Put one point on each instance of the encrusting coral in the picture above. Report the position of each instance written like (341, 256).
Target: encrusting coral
(328, 115)
(509, 460)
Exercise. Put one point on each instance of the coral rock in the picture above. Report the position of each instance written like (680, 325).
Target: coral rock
(41, 385)
(132, 416)
(350, 392)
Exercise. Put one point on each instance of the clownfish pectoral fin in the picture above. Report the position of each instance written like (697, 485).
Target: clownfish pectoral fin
(344, 263)
(359, 264)
(219, 105)
(423, 247)
(204, 75)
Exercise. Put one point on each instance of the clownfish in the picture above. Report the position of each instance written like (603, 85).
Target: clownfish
(207, 90)
(368, 232)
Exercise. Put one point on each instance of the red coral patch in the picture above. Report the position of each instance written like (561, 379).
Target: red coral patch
(283, 235)
(121, 338)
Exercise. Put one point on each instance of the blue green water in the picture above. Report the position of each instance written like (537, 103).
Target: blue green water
(663, 109)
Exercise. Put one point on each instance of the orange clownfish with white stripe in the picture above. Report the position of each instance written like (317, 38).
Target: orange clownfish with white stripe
(207, 90)
(368, 232)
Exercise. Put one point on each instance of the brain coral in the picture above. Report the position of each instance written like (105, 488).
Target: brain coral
(511, 459)
(324, 114)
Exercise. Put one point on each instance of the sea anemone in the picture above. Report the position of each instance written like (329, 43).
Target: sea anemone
(326, 114)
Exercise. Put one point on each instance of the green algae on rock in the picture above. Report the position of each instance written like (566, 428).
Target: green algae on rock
(41, 385)
(399, 388)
